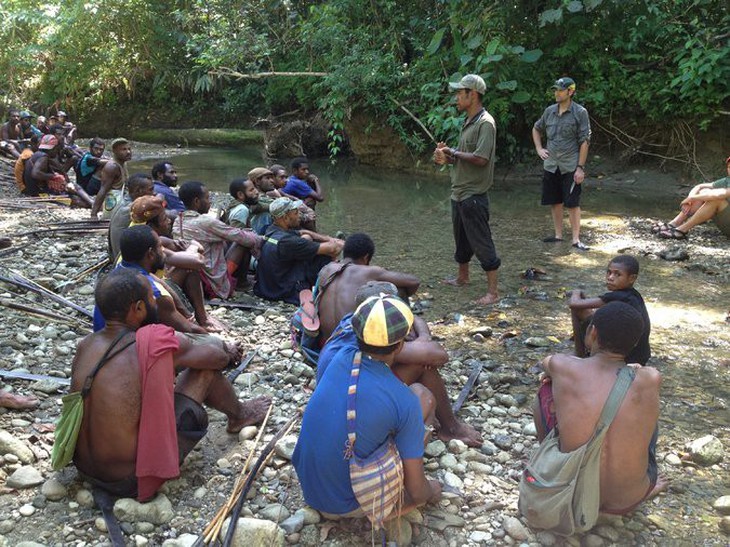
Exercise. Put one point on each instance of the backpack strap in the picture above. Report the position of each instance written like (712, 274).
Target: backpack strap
(625, 377)
(108, 356)
(351, 399)
(327, 282)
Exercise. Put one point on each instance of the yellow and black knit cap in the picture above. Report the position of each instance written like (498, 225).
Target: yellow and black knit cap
(382, 321)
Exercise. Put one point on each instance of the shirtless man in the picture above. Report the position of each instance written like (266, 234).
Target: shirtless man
(572, 396)
(107, 446)
(420, 358)
(113, 176)
(10, 133)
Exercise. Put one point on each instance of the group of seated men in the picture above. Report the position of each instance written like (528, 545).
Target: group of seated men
(171, 254)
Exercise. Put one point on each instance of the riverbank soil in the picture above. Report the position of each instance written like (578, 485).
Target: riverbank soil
(687, 301)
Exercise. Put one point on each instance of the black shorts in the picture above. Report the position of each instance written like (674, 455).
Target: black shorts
(556, 189)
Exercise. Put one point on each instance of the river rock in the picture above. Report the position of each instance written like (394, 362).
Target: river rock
(85, 498)
(480, 537)
(310, 516)
(724, 524)
(439, 520)
(26, 510)
(448, 461)
(659, 521)
(514, 528)
(285, 447)
(674, 254)
(453, 481)
(157, 511)
(183, 540)
(503, 441)
(53, 490)
(25, 477)
(673, 460)
(722, 505)
(706, 450)
(10, 445)
(293, 524)
(538, 342)
(435, 449)
(275, 512)
(252, 532)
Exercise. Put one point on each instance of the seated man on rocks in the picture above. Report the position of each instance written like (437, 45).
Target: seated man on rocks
(10, 134)
(183, 262)
(418, 361)
(25, 155)
(264, 181)
(227, 250)
(572, 396)
(302, 185)
(705, 201)
(138, 185)
(245, 197)
(140, 421)
(88, 168)
(142, 252)
(291, 260)
(165, 177)
(383, 408)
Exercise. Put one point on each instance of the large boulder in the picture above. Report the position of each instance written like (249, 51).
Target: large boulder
(706, 450)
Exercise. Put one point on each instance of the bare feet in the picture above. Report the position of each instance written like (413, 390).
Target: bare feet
(490, 298)
(662, 485)
(19, 402)
(251, 412)
(213, 325)
(464, 432)
(455, 281)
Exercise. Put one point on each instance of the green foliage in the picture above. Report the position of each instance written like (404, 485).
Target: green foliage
(651, 62)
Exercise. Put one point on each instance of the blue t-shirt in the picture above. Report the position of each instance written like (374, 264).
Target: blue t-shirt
(173, 202)
(297, 187)
(342, 336)
(385, 406)
(99, 322)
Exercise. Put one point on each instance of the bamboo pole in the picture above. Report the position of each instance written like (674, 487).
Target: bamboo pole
(20, 281)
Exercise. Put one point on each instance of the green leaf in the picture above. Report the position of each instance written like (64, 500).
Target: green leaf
(531, 56)
(575, 6)
(493, 58)
(550, 16)
(521, 97)
(518, 50)
(466, 58)
(435, 44)
(492, 46)
(590, 5)
(474, 42)
(510, 85)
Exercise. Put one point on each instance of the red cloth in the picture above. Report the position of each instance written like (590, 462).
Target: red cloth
(157, 452)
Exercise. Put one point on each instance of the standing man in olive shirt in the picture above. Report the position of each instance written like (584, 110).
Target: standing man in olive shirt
(471, 177)
(568, 130)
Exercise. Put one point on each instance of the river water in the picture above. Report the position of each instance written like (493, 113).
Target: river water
(408, 217)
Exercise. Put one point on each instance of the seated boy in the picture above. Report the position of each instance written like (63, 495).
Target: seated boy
(620, 278)
(573, 394)
(384, 407)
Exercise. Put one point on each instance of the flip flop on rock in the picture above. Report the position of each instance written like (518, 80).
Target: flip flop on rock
(310, 318)
(660, 227)
(672, 233)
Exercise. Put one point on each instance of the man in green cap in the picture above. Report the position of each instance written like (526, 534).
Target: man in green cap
(568, 130)
(471, 177)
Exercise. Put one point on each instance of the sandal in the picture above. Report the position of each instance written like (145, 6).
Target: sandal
(310, 318)
(661, 227)
(672, 233)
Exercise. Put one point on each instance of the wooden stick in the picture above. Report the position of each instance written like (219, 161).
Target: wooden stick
(38, 312)
(70, 230)
(212, 531)
(236, 305)
(252, 475)
(18, 280)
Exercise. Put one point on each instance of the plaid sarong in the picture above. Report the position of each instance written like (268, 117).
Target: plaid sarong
(377, 480)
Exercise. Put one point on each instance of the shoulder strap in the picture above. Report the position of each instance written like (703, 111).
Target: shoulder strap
(351, 398)
(327, 282)
(625, 377)
(108, 356)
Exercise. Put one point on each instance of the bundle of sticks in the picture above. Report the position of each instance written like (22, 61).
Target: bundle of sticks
(243, 484)
(32, 308)
(35, 202)
(76, 227)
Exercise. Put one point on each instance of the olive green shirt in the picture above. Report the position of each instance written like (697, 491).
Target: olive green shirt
(478, 136)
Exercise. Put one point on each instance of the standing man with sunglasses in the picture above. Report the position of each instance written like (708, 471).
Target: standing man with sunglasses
(568, 130)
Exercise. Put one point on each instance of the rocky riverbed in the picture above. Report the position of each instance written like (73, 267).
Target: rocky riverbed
(691, 346)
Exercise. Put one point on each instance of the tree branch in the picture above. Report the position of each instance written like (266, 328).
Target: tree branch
(223, 71)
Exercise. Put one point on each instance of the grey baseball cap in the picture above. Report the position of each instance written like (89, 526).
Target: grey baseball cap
(564, 83)
(281, 206)
(470, 81)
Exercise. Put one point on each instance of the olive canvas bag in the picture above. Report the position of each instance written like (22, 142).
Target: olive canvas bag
(377, 480)
(72, 412)
(560, 491)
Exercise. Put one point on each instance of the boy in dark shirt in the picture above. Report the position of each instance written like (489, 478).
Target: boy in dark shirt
(621, 275)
